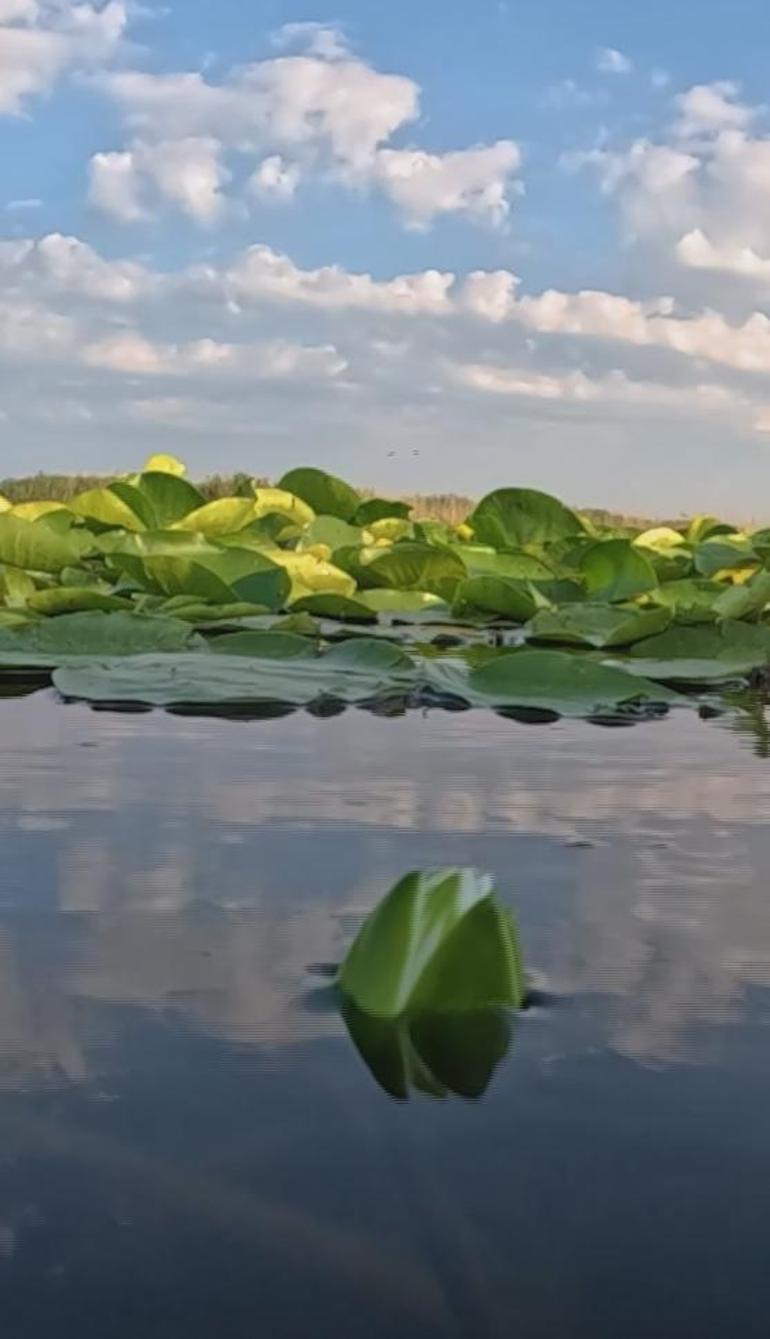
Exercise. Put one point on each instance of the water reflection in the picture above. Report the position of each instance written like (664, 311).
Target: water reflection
(192, 869)
(434, 1054)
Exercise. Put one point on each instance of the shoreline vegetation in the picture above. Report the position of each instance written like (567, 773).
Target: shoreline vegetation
(260, 598)
(451, 508)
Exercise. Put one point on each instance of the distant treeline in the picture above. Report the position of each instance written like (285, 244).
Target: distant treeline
(449, 507)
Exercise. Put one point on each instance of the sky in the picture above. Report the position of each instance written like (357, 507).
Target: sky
(435, 247)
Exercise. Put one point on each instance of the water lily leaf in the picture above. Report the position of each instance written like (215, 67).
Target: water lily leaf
(482, 560)
(310, 575)
(703, 527)
(34, 547)
(614, 570)
(33, 511)
(112, 509)
(16, 587)
(438, 941)
(335, 606)
(558, 682)
(330, 530)
(403, 603)
(706, 653)
(208, 679)
(72, 638)
(265, 645)
(597, 625)
(162, 464)
(326, 494)
(511, 518)
(390, 530)
(493, 596)
(379, 509)
(169, 497)
(223, 576)
(691, 601)
(411, 567)
(224, 516)
(366, 653)
(745, 600)
(661, 539)
(723, 553)
(73, 599)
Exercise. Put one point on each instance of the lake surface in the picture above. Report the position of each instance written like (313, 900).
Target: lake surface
(190, 1143)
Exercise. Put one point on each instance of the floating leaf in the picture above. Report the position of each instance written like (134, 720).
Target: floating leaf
(702, 654)
(597, 625)
(207, 679)
(265, 645)
(550, 681)
(81, 636)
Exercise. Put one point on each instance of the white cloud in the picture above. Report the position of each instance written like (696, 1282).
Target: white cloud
(20, 206)
(705, 109)
(701, 193)
(274, 180)
(186, 173)
(133, 354)
(325, 113)
(55, 264)
(261, 274)
(317, 39)
(340, 111)
(577, 388)
(611, 61)
(474, 181)
(697, 252)
(40, 42)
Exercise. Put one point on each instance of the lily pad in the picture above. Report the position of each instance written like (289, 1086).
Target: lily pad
(437, 941)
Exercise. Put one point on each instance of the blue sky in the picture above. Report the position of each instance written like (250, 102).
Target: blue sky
(436, 247)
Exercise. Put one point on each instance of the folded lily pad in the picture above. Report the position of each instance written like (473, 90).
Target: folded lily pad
(438, 941)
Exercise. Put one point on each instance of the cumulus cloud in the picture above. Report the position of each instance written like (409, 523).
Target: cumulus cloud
(575, 387)
(475, 181)
(611, 61)
(696, 251)
(274, 180)
(261, 274)
(317, 39)
(323, 112)
(133, 354)
(187, 174)
(64, 265)
(42, 40)
(701, 194)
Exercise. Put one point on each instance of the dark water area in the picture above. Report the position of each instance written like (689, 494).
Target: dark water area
(192, 1146)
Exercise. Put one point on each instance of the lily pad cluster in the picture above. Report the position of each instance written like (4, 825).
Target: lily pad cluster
(310, 594)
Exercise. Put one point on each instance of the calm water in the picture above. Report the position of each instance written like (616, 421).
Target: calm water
(190, 1144)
